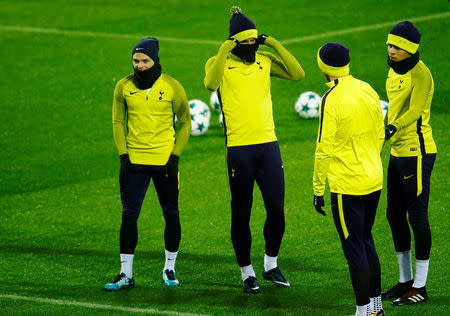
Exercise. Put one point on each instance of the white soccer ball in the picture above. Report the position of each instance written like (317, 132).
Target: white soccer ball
(307, 105)
(200, 116)
(384, 107)
(221, 120)
(214, 102)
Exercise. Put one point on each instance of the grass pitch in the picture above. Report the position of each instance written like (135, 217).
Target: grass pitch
(59, 192)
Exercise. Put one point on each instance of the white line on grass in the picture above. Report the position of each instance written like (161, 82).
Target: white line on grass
(13, 28)
(364, 28)
(24, 29)
(97, 306)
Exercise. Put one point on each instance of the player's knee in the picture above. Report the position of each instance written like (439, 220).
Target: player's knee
(419, 223)
(393, 218)
(128, 219)
(171, 214)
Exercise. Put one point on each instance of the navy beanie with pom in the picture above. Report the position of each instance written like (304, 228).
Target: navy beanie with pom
(241, 27)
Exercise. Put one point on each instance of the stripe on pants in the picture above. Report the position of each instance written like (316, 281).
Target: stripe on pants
(419, 175)
(341, 216)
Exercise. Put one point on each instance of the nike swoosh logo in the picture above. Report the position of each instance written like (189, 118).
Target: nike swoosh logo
(131, 93)
(405, 178)
(283, 283)
(231, 67)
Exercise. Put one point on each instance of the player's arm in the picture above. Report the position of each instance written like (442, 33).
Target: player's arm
(181, 109)
(215, 66)
(285, 66)
(380, 125)
(420, 92)
(324, 148)
(119, 119)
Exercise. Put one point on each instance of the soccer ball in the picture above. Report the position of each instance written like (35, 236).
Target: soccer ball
(307, 105)
(221, 120)
(384, 107)
(200, 116)
(214, 102)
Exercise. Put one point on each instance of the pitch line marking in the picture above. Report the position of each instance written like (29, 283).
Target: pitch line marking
(97, 306)
(14, 28)
(364, 28)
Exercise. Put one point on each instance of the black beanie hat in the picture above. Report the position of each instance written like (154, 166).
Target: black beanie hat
(334, 59)
(406, 36)
(148, 46)
(240, 22)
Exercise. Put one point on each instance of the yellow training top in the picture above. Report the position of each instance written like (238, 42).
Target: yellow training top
(246, 102)
(410, 98)
(244, 90)
(148, 116)
(350, 139)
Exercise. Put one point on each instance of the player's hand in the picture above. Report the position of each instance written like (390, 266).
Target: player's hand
(171, 167)
(232, 42)
(389, 131)
(318, 204)
(261, 40)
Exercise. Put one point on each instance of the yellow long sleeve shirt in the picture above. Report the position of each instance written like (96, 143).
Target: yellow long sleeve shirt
(350, 139)
(410, 97)
(244, 90)
(143, 123)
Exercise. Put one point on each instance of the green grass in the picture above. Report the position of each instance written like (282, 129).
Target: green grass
(59, 193)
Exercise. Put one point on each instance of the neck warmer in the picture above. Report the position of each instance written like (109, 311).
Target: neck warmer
(246, 52)
(145, 79)
(402, 67)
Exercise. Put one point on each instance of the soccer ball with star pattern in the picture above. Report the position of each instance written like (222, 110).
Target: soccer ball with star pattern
(307, 105)
(200, 115)
(384, 107)
(214, 102)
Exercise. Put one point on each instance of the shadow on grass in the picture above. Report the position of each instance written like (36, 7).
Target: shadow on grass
(211, 259)
(210, 284)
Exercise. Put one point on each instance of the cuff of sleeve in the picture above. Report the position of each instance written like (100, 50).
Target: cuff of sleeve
(228, 45)
(270, 41)
(396, 126)
(319, 192)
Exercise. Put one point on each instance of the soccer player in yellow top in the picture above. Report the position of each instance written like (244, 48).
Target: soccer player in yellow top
(409, 87)
(241, 76)
(144, 105)
(349, 143)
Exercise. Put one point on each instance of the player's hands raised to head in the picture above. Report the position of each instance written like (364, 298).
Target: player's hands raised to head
(230, 43)
(261, 40)
(318, 204)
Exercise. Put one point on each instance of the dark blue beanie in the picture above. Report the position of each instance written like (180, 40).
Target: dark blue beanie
(148, 46)
(334, 54)
(239, 22)
(406, 30)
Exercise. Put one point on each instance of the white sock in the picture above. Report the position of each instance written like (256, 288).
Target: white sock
(405, 266)
(270, 262)
(126, 261)
(375, 304)
(363, 310)
(247, 271)
(421, 273)
(171, 257)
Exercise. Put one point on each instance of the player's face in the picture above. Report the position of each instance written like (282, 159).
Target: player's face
(397, 54)
(248, 41)
(142, 62)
